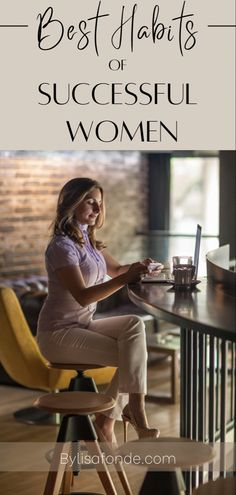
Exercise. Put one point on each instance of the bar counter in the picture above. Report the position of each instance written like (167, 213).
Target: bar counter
(209, 308)
(207, 319)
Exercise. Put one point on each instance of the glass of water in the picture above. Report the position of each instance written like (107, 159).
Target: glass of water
(183, 271)
(182, 260)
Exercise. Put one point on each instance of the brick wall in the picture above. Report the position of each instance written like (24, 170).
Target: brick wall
(29, 185)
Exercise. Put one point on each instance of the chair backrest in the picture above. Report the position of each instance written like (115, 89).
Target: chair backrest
(19, 352)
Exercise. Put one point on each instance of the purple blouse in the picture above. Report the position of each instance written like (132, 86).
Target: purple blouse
(60, 309)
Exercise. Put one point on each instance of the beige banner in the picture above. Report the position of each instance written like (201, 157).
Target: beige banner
(162, 455)
(97, 74)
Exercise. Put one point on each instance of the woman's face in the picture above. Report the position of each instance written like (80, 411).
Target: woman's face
(88, 210)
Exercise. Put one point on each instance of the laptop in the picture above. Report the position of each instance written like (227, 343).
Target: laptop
(165, 275)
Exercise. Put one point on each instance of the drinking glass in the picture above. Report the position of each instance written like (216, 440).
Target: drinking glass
(182, 260)
(183, 271)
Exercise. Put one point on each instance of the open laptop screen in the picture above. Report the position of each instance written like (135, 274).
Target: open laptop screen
(197, 249)
(166, 276)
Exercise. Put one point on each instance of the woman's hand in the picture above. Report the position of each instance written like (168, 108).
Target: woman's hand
(154, 267)
(134, 272)
(147, 261)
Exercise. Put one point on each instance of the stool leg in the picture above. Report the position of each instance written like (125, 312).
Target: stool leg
(57, 470)
(123, 478)
(81, 383)
(104, 475)
(67, 482)
(118, 465)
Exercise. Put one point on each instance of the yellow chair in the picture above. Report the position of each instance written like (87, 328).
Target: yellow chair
(23, 361)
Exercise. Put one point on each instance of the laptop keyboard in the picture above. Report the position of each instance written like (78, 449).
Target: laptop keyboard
(164, 276)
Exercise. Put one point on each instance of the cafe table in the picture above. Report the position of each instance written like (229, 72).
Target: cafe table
(206, 316)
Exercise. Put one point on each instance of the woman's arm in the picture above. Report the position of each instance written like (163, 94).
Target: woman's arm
(113, 267)
(72, 279)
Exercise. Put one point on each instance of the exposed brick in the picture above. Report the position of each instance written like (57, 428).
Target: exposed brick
(29, 187)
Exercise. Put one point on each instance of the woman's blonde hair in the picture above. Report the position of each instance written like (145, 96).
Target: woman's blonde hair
(71, 195)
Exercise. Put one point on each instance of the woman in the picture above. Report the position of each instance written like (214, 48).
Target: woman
(77, 264)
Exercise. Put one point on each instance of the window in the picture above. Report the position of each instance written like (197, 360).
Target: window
(194, 198)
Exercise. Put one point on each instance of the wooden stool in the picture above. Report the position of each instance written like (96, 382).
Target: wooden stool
(222, 486)
(79, 383)
(167, 478)
(77, 425)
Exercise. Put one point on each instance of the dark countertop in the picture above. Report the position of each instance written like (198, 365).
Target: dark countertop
(208, 308)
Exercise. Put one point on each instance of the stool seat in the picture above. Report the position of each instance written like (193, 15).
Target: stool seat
(81, 403)
(183, 453)
(74, 366)
(219, 487)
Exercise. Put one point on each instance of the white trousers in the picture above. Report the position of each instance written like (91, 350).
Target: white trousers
(117, 341)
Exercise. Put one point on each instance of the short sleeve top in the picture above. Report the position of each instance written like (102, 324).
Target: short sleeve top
(60, 308)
